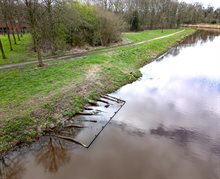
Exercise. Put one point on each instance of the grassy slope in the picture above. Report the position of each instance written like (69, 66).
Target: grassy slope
(32, 98)
(21, 51)
(147, 35)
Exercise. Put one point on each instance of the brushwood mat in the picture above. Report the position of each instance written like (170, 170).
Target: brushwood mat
(90, 123)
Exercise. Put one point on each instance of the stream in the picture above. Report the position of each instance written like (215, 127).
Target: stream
(169, 127)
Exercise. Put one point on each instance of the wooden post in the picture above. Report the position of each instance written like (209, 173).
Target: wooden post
(2, 50)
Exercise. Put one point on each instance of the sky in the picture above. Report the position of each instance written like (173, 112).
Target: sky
(215, 3)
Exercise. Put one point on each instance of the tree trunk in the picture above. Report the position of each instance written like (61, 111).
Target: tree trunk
(18, 36)
(39, 57)
(34, 42)
(21, 33)
(33, 24)
(2, 50)
(17, 32)
(52, 28)
(37, 46)
(9, 38)
(13, 34)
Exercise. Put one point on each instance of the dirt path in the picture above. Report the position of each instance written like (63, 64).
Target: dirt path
(71, 56)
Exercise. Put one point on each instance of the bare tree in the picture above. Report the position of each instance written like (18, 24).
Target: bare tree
(51, 25)
(32, 7)
(53, 156)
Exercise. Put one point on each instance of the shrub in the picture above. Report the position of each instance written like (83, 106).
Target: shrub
(109, 27)
(93, 26)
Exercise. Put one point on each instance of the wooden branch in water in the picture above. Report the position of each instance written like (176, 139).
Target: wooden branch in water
(107, 105)
(74, 125)
(93, 103)
(88, 113)
(88, 108)
(88, 120)
(91, 109)
(70, 139)
(103, 101)
(111, 98)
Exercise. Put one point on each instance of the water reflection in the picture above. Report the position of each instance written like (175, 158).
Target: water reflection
(53, 156)
(199, 37)
(129, 129)
(179, 94)
(11, 169)
(182, 136)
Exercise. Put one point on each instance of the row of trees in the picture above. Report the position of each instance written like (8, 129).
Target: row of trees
(8, 11)
(60, 24)
(151, 14)
(56, 24)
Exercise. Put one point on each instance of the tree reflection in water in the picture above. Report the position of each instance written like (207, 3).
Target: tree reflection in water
(11, 169)
(201, 36)
(53, 156)
(182, 136)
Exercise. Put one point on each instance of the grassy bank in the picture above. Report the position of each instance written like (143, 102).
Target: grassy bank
(22, 51)
(33, 99)
(147, 35)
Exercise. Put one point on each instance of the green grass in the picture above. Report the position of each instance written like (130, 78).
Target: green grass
(32, 98)
(21, 52)
(147, 35)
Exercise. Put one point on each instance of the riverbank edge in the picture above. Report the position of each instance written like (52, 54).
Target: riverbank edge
(83, 102)
(205, 26)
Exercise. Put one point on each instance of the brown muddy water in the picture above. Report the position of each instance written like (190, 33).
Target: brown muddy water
(169, 127)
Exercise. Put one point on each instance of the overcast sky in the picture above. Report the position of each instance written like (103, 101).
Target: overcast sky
(215, 3)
